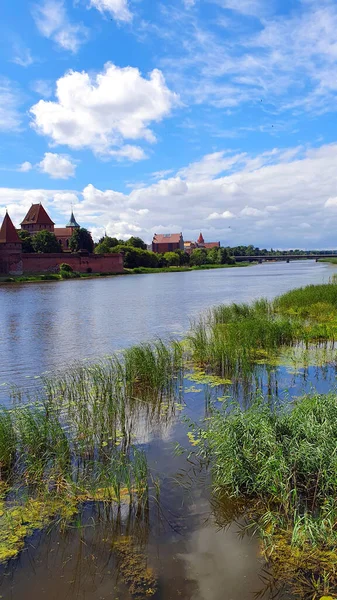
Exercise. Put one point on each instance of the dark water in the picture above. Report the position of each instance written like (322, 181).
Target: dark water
(181, 536)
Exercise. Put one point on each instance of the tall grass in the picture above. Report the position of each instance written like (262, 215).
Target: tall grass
(283, 464)
(231, 340)
(7, 442)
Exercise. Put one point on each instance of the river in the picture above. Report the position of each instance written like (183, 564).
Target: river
(48, 326)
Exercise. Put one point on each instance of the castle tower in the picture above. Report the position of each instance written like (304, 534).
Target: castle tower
(72, 222)
(10, 249)
(200, 240)
(37, 219)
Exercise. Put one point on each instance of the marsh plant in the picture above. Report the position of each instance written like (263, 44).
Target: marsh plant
(76, 442)
(282, 462)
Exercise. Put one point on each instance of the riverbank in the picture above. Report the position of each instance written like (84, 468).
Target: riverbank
(137, 271)
(332, 261)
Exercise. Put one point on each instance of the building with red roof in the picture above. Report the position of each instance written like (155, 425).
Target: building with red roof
(167, 242)
(37, 219)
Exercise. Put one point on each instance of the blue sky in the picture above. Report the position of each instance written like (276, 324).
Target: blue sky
(182, 115)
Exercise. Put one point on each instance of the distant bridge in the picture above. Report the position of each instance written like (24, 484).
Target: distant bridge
(285, 257)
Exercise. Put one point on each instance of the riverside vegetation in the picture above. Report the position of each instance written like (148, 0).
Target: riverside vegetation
(276, 462)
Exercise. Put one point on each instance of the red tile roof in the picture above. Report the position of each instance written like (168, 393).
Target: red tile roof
(8, 233)
(167, 238)
(37, 214)
(212, 245)
(63, 231)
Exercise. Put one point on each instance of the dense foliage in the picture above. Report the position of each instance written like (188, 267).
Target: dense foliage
(136, 255)
(81, 240)
(45, 242)
(26, 240)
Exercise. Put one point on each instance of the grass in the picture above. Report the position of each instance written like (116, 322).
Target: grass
(283, 463)
(146, 270)
(76, 442)
(231, 340)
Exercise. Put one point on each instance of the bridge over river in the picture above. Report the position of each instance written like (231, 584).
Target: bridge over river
(285, 257)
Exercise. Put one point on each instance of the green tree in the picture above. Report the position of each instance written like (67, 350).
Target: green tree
(136, 242)
(136, 257)
(107, 244)
(27, 241)
(198, 257)
(172, 259)
(81, 240)
(184, 257)
(46, 242)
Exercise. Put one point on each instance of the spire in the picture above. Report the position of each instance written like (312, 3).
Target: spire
(8, 233)
(200, 239)
(72, 221)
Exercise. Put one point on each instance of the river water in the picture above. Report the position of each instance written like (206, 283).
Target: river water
(48, 326)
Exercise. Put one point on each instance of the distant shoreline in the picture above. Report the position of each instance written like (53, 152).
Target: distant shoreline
(38, 278)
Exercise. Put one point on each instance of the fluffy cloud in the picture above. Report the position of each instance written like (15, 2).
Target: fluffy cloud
(117, 8)
(57, 166)
(227, 214)
(25, 167)
(101, 112)
(52, 21)
(277, 203)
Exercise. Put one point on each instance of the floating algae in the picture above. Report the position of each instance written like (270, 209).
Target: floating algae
(136, 573)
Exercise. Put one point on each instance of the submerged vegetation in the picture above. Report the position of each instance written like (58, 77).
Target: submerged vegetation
(78, 442)
(81, 439)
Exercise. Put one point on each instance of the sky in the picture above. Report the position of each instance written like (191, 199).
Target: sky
(150, 116)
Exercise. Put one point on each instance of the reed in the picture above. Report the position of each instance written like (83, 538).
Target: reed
(7, 443)
(282, 464)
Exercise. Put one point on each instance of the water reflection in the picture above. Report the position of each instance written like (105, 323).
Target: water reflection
(50, 325)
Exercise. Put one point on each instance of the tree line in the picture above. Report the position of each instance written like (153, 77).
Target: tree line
(47, 242)
(136, 254)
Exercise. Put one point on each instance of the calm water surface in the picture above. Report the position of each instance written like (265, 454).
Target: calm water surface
(48, 326)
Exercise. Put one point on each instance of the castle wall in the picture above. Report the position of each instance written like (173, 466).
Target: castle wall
(81, 262)
(11, 259)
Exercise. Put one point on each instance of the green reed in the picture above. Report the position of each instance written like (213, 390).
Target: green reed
(7, 442)
(282, 463)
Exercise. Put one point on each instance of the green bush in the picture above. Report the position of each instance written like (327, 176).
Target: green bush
(64, 267)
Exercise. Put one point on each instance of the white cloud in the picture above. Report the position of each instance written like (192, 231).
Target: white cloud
(227, 214)
(250, 211)
(21, 55)
(117, 8)
(278, 204)
(287, 62)
(245, 7)
(101, 112)
(42, 87)
(52, 21)
(25, 167)
(331, 202)
(57, 166)
(10, 118)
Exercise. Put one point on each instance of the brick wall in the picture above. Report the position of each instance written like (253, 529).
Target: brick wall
(49, 263)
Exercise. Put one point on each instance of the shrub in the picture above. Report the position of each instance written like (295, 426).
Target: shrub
(66, 268)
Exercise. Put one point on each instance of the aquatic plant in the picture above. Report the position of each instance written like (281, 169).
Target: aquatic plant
(283, 464)
(7, 442)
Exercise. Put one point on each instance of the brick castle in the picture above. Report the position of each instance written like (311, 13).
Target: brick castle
(15, 262)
